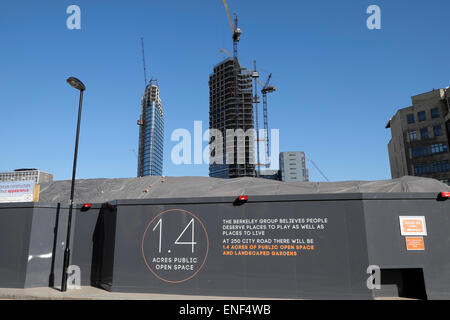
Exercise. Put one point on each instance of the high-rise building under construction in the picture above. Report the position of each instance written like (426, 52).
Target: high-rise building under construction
(231, 108)
(151, 133)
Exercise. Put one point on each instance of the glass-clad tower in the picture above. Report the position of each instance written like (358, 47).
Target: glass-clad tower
(151, 133)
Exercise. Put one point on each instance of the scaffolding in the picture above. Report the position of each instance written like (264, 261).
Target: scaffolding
(231, 97)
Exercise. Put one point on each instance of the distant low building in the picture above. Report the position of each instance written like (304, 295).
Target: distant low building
(270, 174)
(293, 166)
(38, 176)
(420, 141)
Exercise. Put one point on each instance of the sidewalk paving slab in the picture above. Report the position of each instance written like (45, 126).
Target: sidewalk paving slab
(92, 293)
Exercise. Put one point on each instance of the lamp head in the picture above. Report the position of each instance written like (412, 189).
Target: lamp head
(76, 83)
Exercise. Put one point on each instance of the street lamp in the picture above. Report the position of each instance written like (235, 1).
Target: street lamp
(77, 84)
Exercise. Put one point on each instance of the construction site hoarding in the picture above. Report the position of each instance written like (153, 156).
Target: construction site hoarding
(303, 246)
(264, 243)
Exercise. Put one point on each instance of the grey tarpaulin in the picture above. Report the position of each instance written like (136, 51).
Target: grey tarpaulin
(103, 190)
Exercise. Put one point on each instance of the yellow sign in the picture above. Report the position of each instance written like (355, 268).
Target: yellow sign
(37, 189)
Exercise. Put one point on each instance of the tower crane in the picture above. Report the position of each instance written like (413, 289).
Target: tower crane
(225, 51)
(255, 76)
(234, 27)
(266, 88)
(143, 60)
(140, 122)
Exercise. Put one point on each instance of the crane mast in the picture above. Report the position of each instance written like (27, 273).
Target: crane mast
(266, 88)
(255, 76)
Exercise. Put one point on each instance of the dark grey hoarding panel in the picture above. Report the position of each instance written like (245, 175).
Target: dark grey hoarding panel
(41, 251)
(316, 249)
(31, 250)
(15, 226)
(86, 227)
(387, 247)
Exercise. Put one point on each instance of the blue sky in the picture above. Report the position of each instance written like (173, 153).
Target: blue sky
(338, 82)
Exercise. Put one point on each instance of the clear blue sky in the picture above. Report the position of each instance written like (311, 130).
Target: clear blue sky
(338, 82)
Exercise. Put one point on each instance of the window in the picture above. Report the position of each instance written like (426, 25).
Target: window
(422, 116)
(440, 166)
(421, 169)
(418, 152)
(435, 113)
(412, 135)
(410, 118)
(424, 133)
(437, 131)
(439, 148)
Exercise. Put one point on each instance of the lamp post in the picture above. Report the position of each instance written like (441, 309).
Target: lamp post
(77, 84)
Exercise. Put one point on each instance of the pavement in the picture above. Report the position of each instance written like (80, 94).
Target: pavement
(91, 293)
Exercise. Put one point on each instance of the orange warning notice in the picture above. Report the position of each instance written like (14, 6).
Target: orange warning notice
(415, 243)
(413, 226)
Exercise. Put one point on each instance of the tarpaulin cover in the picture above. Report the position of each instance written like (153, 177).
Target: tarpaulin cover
(103, 190)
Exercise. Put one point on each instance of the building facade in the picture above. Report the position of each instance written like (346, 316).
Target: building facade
(420, 140)
(151, 133)
(38, 176)
(231, 112)
(293, 166)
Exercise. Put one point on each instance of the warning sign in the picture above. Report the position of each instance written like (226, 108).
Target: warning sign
(415, 243)
(413, 226)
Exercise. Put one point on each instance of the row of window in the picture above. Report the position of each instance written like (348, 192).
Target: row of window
(422, 116)
(154, 124)
(155, 156)
(153, 143)
(437, 131)
(153, 116)
(155, 170)
(156, 139)
(154, 166)
(418, 152)
(439, 166)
